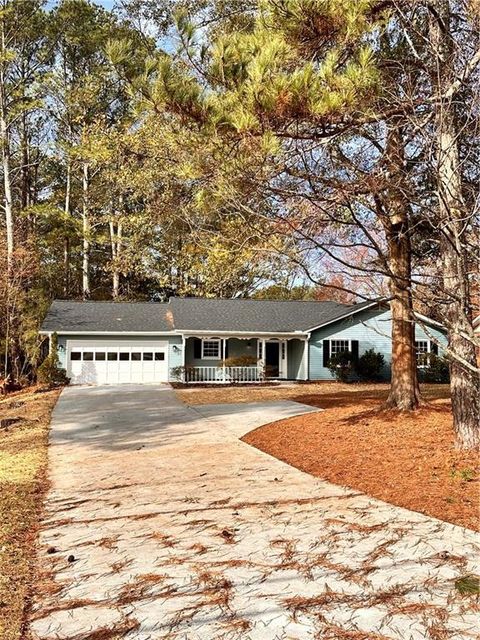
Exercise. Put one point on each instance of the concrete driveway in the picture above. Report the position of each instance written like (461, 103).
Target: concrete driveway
(161, 523)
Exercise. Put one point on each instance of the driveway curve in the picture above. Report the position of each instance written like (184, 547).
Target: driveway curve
(161, 524)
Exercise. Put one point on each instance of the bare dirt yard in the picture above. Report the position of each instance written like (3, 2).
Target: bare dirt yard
(406, 459)
(25, 419)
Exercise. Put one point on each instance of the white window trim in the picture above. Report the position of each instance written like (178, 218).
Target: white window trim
(340, 340)
(427, 352)
(219, 343)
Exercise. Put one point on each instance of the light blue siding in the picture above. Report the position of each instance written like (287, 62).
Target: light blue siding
(175, 354)
(295, 349)
(372, 330)
(175, 347)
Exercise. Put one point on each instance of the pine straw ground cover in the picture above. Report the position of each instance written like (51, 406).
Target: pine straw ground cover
(23, 463)
(406, 459)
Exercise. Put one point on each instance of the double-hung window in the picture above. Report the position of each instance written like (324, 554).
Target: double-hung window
(422, 349)
(339, 346)
(332, 348)
(211, 349)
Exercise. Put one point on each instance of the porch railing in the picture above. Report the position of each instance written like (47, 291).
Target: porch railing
(223, 374)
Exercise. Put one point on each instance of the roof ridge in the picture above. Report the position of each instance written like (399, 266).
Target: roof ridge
(345, 304)
(109, 301)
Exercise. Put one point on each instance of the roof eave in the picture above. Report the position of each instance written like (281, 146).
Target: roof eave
(64, 332)
(428, 320)
(346, 315)
(216, 332)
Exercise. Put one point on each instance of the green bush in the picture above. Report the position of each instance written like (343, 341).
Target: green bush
(50, 372)
(435, 369)
(341, 366)
(369, 366)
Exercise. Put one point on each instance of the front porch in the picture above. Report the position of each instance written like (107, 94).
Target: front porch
(244, 359)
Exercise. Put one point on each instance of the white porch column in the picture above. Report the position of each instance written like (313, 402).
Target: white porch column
(264, 366)
(184, 356)
(306, 359)
(224, 343)
(284, 361)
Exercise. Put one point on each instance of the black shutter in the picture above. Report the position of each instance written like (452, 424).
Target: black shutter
(197, 348)
(326, 352)
(434, 348)
(355, 351)
(226, 348)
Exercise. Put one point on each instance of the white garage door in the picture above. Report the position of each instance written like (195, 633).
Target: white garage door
(92, 362)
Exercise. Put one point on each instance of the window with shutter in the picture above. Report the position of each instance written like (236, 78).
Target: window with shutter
(422, 349)
(211, 349)
(339, 346)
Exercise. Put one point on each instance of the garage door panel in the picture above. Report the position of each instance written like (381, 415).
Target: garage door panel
(84, 373)
(96, 362)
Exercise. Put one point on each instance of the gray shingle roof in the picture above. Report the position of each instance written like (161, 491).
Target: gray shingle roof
(191, 314)
(194, 314)
(66, 315)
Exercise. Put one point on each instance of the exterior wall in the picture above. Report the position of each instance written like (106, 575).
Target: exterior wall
(174, 345)
(236, 348)
(372, 329)
(296, 361)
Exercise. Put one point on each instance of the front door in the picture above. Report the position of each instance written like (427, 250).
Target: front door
(272, 359)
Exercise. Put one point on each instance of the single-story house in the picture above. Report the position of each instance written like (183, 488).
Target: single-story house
(219, 340)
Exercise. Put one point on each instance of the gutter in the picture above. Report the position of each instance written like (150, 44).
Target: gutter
(109, 333)
(184, 334)
(291, 334)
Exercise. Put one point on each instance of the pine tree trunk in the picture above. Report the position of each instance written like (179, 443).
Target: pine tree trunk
(86, 234)
(394, 216)
(464, 375)
(66, 266)
(115, 284)
(464, 381)
(25, 167)
(404, 389)
(116, 245)
(6, 155)
(115, 235)
(66, 242)
(7, 186)
(116, 273)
